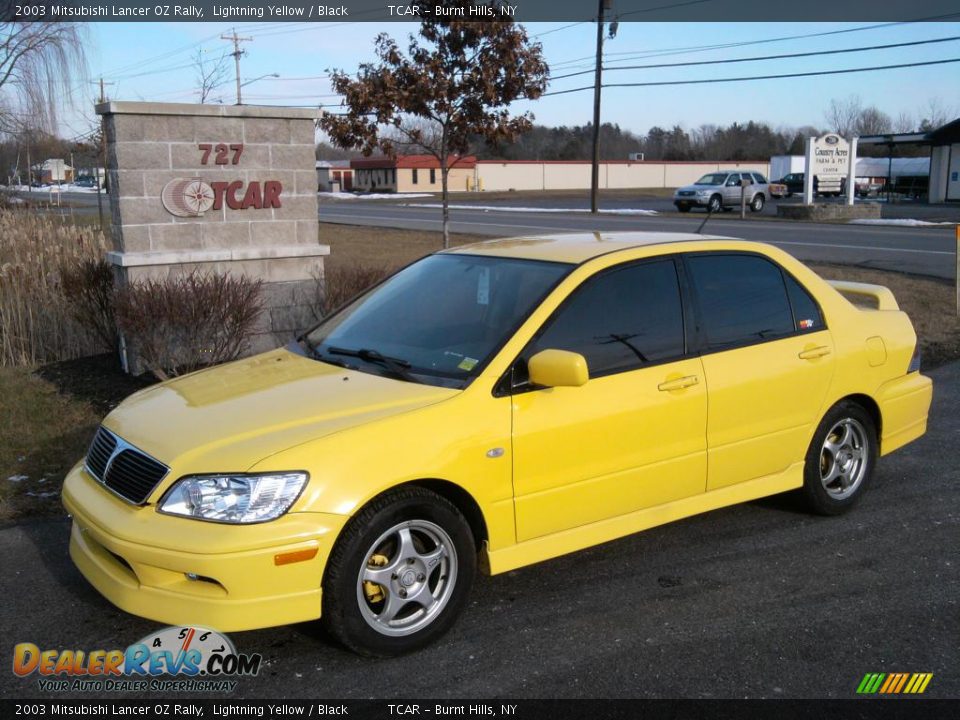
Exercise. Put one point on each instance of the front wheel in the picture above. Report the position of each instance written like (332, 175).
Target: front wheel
(715, 204)
(840, 459)
(400, 573)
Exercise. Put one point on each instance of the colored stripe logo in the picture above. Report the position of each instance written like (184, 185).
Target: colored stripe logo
(894, 683)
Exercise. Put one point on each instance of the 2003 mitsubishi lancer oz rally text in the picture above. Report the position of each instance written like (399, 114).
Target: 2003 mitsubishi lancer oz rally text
(490, 407)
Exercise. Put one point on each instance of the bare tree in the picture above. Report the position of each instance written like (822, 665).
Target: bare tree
(210, 73)
(872, 121)
(936, 114)
(904, 122)
(39, 64)
(842, 115)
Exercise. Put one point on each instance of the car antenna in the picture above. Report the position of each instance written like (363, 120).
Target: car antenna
(705, 220)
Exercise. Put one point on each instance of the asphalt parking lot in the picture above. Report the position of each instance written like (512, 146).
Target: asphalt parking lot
(758, 600)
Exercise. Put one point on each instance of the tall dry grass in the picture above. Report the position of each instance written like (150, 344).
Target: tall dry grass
(36, 322)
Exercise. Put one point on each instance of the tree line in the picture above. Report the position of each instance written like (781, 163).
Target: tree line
(750, 140)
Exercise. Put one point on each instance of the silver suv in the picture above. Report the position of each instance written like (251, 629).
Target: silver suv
(721, 190)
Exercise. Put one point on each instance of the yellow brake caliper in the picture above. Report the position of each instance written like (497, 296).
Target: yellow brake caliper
(373, 591)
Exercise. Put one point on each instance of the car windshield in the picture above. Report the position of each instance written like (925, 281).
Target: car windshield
(712, 179)
(438, 321)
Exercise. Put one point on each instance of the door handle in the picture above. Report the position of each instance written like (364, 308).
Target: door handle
(814, 352)
(678, 383)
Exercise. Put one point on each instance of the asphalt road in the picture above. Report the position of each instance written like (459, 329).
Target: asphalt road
(757, 600)
(924, 250)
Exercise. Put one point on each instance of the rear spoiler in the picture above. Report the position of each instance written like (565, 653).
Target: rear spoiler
(878, 293)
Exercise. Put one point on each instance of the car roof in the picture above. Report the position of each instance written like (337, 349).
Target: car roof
(579, 247)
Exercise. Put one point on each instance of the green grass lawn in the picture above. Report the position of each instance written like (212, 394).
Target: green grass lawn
(43, 434)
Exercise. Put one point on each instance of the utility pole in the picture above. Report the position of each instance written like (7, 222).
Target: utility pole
(102, 182)
(595, 168)
(237, 52)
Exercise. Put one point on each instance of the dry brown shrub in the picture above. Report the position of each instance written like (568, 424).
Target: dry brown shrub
(177, 325)
(88, 287)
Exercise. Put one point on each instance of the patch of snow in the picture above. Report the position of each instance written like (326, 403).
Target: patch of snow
(498, 208)
(18, 478)
(42, 494)
(903, 222)
(372, 196)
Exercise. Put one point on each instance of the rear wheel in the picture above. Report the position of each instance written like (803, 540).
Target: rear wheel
(757, 204)
(840, 459)
(400, 573)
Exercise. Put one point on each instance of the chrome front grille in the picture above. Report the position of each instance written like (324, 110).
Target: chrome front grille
(127, 471)
(102, 447)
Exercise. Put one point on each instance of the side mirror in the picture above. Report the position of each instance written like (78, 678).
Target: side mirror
(558, 368)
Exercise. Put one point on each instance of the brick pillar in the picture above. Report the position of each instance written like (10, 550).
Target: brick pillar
(155, 151)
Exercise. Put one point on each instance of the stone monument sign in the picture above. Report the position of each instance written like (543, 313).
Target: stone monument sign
(221, 188)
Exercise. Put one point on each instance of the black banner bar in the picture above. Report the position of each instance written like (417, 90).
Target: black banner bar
(521, 10)
(231, 708)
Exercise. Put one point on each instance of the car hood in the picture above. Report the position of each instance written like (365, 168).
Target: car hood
(228, 418)
(697, 186)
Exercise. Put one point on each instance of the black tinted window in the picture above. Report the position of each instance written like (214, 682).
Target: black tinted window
(758, 178)
(806, 313)
(620, 320)
(742, 299)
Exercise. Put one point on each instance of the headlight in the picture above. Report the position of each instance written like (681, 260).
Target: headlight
(234, 498)
(703, 193)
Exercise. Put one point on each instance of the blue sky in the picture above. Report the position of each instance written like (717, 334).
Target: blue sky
(152, 61)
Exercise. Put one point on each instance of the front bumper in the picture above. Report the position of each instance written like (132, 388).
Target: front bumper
(691, 201)
(188, 572)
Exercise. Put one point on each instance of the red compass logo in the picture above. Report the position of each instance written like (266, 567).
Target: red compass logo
(187, 197)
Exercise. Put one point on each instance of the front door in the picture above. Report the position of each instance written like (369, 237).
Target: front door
(634, 435)
(731, 190)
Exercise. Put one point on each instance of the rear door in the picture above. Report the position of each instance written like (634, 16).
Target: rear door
(768, 359)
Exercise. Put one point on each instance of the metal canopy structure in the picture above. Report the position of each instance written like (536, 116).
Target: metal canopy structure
(944, 144)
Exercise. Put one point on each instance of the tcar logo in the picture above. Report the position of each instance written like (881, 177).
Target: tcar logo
(187, 197)
(831, 139)
(192, 197)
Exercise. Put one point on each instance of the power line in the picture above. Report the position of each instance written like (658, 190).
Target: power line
(759, 77)
(765, 57)
(633, 54)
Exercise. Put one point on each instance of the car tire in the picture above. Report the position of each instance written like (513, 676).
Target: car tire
(421, 550)
(715, 203)
(840, 460)
(756, 205)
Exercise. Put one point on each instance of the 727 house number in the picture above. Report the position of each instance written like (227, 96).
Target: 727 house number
(221, 153)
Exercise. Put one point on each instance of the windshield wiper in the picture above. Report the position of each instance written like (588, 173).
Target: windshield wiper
(314, 352)
(397, 366)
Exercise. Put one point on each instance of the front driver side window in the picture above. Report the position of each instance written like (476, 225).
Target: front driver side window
(620, 320)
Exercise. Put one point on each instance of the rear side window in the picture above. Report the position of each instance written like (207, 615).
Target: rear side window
(806, 312)
(758, 178)
(620, 320)
(742, 299)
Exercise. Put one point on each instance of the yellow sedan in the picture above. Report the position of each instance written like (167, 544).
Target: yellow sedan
(487, 408)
